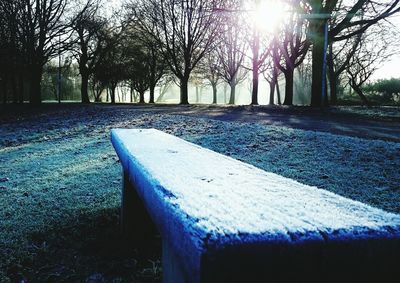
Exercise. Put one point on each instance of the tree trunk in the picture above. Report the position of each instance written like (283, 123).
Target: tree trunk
(141, 97)
(112, 94)
(214, 88)
(272, 92)
(184, 90)
(84, 86)
(232, 84)
(360, 93)
(333, 78)
(255, 68)
(97, 93)
(288, 88)
(317, 62)
(35, 96)
(152, 88)
(254, 93)
(278, 93)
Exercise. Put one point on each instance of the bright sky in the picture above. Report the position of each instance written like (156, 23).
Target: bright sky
(391, 69)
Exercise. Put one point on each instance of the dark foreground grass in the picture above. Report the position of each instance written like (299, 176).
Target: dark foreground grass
(86, 248)
(60, 184)
(59, 203)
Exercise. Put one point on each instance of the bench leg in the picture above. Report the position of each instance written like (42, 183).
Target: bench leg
(172, 269)
(134, 219)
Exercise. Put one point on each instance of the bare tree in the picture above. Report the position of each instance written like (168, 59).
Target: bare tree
(372, 50)
(231, 47)
(260, 50)
(97, 88)
(271, 73)
(153, 57)
(342, 52)
(259, 41)
(157, 66)
(292, 45)
(209, 70)
(338, 60)
(111, 68)
(141, 63)
(302, 84)
(89, 42)
(351, 18)
(140, 74)
(165, 84)
(10, 50)
(43, 32)
(185, 30)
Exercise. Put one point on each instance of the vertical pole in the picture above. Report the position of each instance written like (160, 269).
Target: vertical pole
(173, 271)
(324, 63)
(59, 70)
(127, 206)
(135, 221)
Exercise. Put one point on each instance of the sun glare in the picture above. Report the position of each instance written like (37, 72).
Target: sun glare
(268, 14)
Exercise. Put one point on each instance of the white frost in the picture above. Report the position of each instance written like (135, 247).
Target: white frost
(223, 196)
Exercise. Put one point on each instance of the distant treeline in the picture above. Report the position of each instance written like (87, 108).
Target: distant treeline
(384, 91)
(333, 45)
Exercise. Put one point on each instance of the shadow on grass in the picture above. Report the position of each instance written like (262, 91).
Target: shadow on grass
(88, 248)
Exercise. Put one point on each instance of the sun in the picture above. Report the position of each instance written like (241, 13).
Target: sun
(267, 15)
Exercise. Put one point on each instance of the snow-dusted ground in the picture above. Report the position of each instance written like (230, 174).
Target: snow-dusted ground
(59, 172)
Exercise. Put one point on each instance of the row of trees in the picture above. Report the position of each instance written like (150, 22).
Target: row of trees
(155, 40)
(30, 35)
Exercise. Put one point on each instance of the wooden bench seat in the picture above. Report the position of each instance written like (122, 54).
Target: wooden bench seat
(222, 220)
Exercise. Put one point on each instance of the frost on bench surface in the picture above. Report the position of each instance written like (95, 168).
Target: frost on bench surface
(202, 200)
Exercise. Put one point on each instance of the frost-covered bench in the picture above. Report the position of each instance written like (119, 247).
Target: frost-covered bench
(222, 220)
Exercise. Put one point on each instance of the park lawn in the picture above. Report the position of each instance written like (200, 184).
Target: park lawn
(60, 184)
(391, 113)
